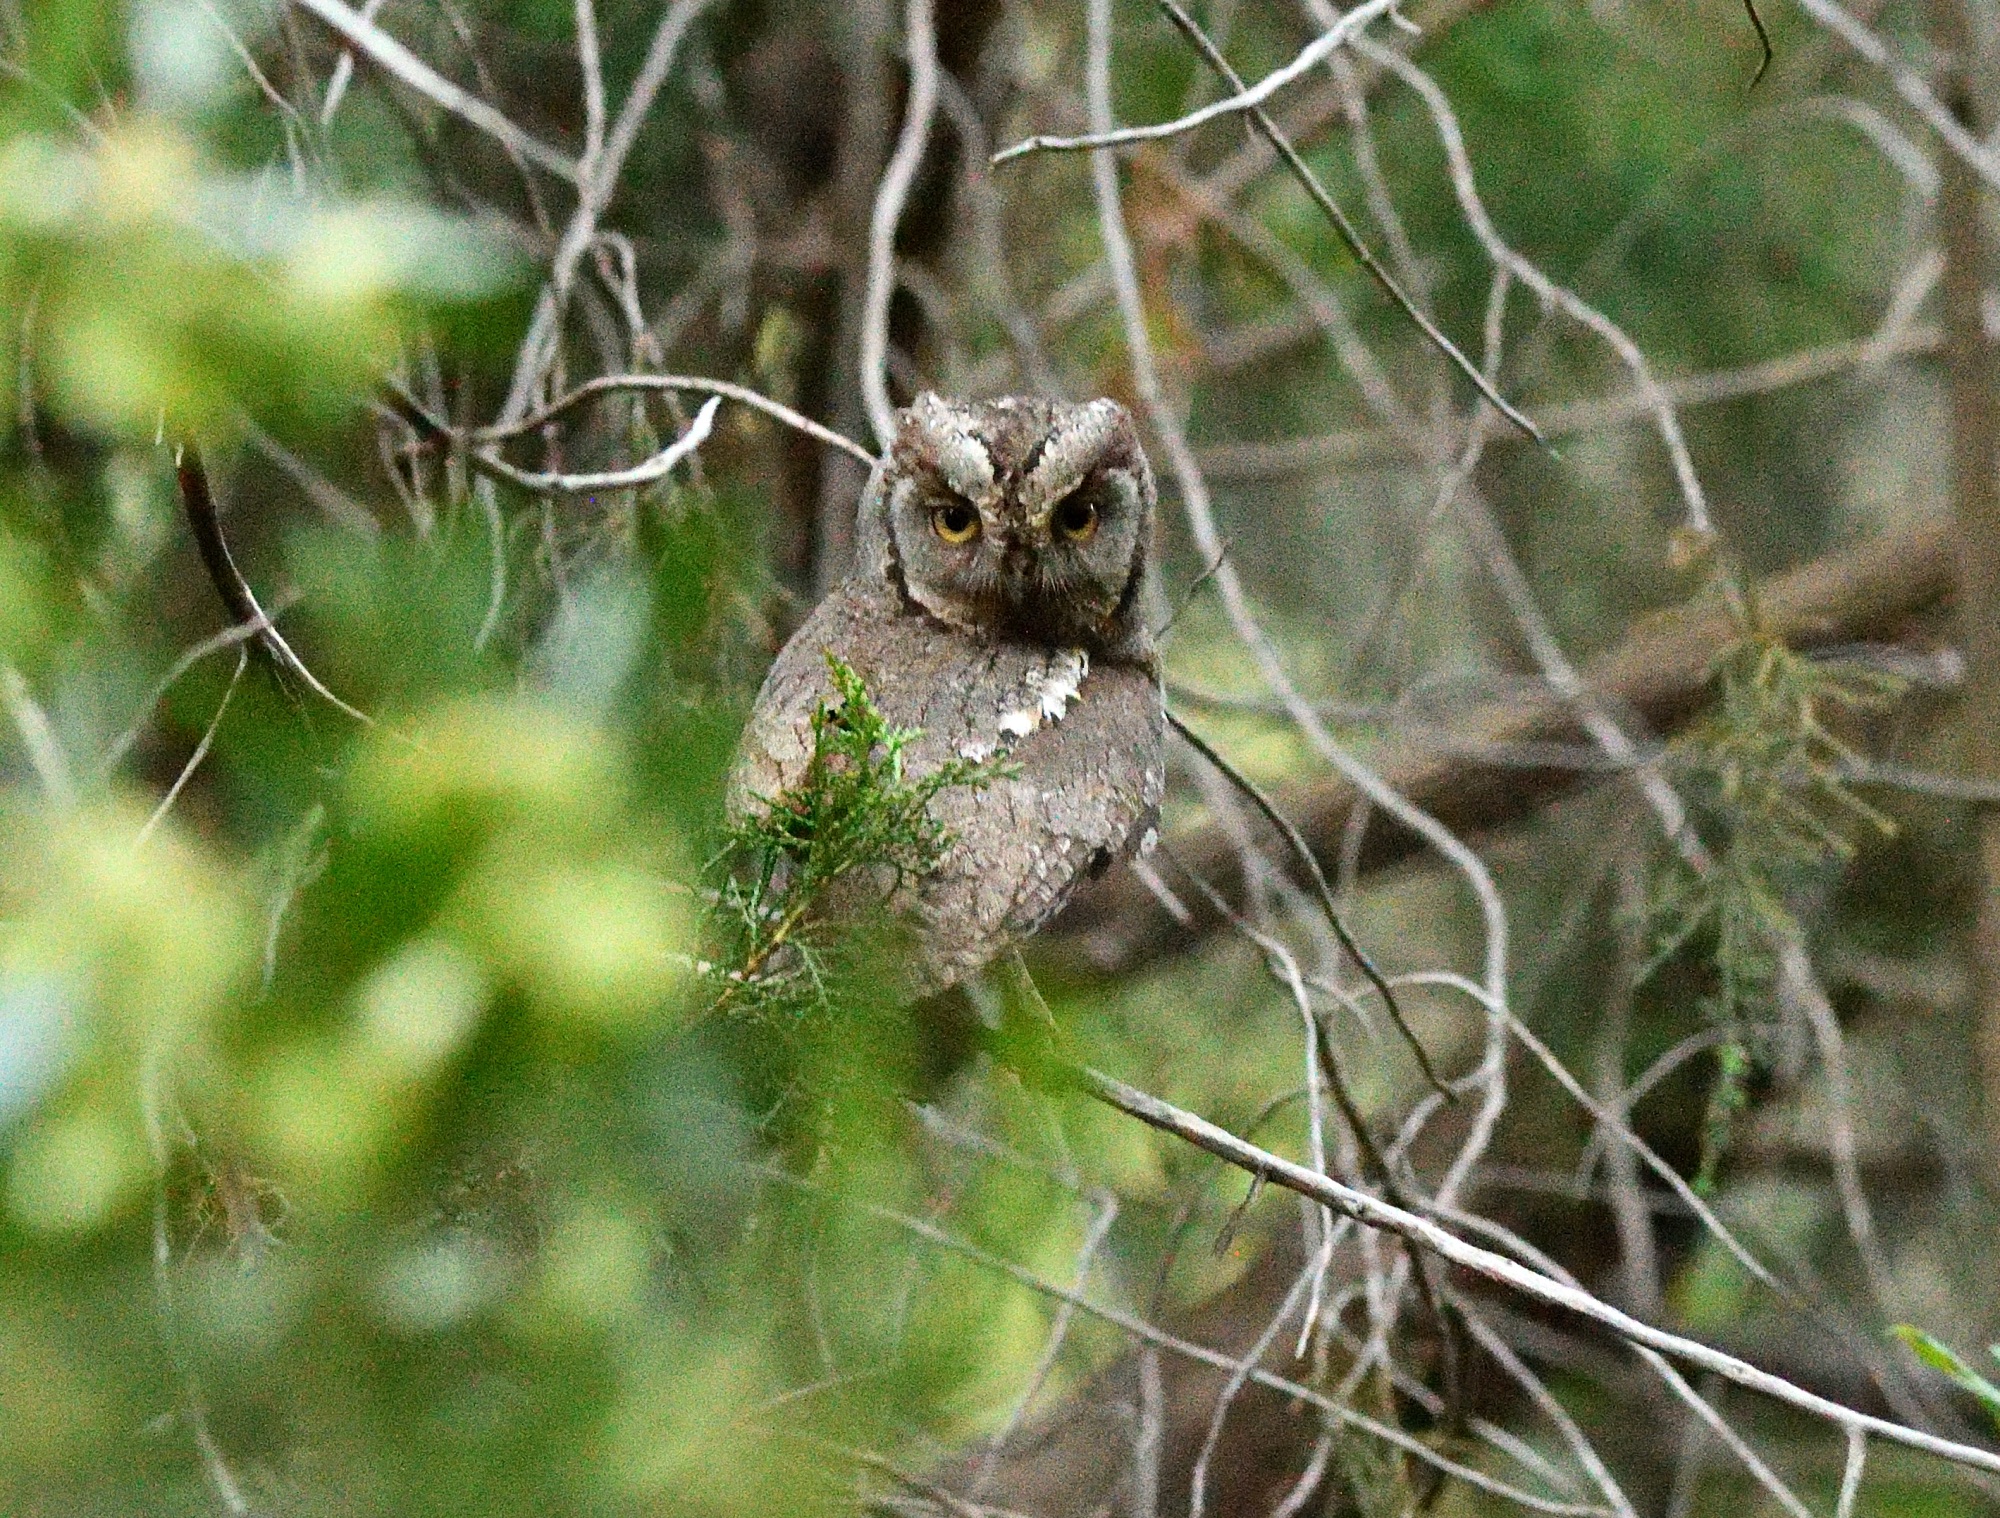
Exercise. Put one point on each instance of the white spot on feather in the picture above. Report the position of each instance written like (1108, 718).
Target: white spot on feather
(1053, 687)
(1063, 681)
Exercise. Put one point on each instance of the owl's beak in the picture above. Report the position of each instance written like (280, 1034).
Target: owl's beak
(1018, 562)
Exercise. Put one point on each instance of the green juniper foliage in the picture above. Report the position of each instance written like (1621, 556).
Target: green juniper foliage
(784, 947)
(1770, 785)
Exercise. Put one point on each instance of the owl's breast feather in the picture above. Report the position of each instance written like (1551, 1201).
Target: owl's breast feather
(1083, 745)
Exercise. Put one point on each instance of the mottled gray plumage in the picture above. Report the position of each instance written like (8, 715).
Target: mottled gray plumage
(996, 604)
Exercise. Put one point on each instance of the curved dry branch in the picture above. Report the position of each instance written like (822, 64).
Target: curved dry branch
(890, 195)
(1350, 235)
(1310, 58)
(658, 467)
(612, 384)
(395, 59)
(198, 503)
(488, 462)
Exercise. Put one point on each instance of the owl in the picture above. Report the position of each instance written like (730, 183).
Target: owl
(1004, 550)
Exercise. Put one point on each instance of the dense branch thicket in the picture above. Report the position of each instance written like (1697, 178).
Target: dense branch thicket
(1578, 468)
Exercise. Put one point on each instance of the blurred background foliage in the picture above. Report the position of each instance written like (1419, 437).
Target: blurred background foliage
(365, 1146)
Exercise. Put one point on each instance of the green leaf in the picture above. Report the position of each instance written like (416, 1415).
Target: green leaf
(1942, 1357)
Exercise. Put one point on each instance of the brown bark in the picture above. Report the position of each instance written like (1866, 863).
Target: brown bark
(1975, 431)
(1660, 670)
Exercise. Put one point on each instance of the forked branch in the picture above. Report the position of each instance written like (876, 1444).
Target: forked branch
(1422, 1233)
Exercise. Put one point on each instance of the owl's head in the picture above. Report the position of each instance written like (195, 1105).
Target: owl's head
(1022, 517)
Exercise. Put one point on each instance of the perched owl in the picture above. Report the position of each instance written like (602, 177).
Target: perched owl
(997, 606)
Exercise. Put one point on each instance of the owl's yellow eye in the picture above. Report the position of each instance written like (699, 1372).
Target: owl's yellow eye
(1076, 519)
(955, 522)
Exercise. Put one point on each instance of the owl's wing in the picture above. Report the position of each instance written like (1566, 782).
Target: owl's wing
(1084, 795)
(771, 756)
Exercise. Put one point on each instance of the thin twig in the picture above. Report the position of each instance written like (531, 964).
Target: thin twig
(1459, 162)
(1800, 987)
(607, 384)
(198, 503)
(1244, 100)
(1614, 1123)
(45, 754)
(1763, 42)
(200, 753)
(229, 637)
(399, 61)
(1302, 851)
(1349, 233)
(343, 72)
(1502, 1353)
(194, 1406)
(646, 472)
(1149, 1436)
(1238, 1378)
(1908, 83)
(590, 64)
(335, 504)
(597, 183)
(1850, 1478)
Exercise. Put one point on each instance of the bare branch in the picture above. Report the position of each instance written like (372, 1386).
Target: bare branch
(590, 63)
(1908, 83)
(658, 467)
(198, 502)
(343, 72)
(1373, 1212)
(1850, 1478)
(890, 196)
(399, 61)
(1314, 53)
(1453, 140)
(229, 637)
(597, 183)
(609, 384)
(1305, 856)
(45, 754)
(1349, 233)
(194, 760)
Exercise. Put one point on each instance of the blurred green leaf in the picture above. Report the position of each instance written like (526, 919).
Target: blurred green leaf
(1941, 1356)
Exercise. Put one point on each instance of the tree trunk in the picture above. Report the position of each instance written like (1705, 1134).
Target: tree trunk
(1975, 429)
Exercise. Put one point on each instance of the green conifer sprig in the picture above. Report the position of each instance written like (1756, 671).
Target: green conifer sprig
(856, 809)
(1772, 786)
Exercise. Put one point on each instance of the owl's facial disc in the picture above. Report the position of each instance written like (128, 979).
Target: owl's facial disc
(1022, 517)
